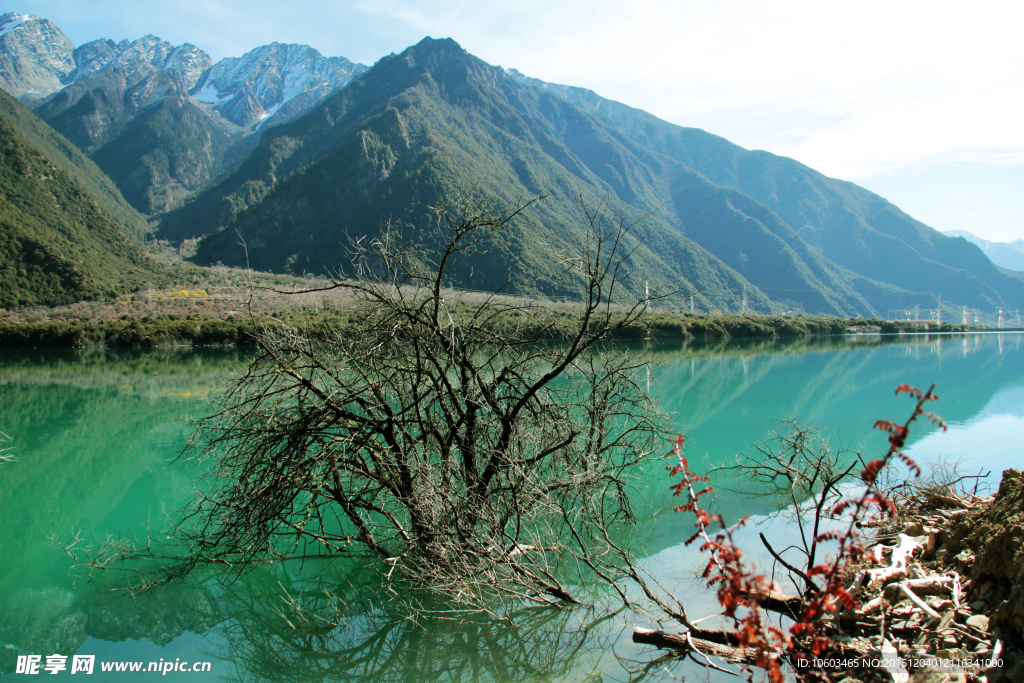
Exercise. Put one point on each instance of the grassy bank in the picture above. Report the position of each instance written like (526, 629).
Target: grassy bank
(204, 330)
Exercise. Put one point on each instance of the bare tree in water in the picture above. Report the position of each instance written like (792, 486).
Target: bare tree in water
(483, 451)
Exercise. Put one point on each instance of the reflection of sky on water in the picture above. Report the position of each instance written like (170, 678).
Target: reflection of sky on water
(991, 440)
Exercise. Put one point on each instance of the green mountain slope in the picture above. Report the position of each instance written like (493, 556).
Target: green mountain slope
(56, 244)
(77, 165)
(893, 256)
(140, 126)
(435, 119)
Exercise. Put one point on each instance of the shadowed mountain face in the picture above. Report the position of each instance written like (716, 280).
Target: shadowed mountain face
(140, 126)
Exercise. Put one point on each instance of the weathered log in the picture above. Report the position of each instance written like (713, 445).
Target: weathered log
(678, 641)
(790, 605)
(950, 500)
(929, 585)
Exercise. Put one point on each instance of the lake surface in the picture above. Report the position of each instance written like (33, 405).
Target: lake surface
(94, 434)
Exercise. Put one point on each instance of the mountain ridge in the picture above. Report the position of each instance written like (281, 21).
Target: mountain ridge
(266, 148)
(1009, 255)
(580, 143)
(168, 119)
(840, 224)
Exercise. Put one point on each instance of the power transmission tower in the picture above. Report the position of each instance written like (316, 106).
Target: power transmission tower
(1000, 319)
(965, 315)
(938, 313)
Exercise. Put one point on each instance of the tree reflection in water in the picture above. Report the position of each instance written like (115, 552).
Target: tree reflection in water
(287, 630)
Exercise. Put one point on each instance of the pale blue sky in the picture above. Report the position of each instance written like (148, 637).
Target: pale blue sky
(917, 100)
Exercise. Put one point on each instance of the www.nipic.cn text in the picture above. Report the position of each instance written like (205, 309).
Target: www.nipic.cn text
(86, 664)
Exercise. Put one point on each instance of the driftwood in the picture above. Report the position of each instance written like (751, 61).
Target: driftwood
(703, 639)
(929, 585)
(950, 500)
(897, 568)
(789, 605)
(724, 644)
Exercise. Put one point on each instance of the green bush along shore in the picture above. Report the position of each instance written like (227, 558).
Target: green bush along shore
(203, 330)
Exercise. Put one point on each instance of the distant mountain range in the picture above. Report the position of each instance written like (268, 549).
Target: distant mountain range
(300, 154)
(161, 120)
(1009, 255)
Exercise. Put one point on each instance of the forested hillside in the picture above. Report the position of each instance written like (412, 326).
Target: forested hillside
(56, 244)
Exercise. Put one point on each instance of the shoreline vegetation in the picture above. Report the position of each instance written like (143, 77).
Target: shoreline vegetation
(234, 329)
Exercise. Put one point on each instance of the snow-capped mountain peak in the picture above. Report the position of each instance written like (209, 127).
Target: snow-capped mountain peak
(98, 55)
(277, 81)
(35, 56)
(250, 89)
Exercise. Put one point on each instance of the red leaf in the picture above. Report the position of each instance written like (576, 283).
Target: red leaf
(907, 389)
(870, 473)
(910, 463)
(846, 598)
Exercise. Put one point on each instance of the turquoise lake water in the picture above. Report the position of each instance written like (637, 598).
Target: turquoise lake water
(94, 434)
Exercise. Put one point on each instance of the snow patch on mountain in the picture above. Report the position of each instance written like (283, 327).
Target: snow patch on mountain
(270, 77)
(276, 81)
(208, 94)
(11, 21)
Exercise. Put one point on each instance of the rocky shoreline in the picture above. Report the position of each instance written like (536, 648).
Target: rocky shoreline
(940, 601)
(945, 601)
